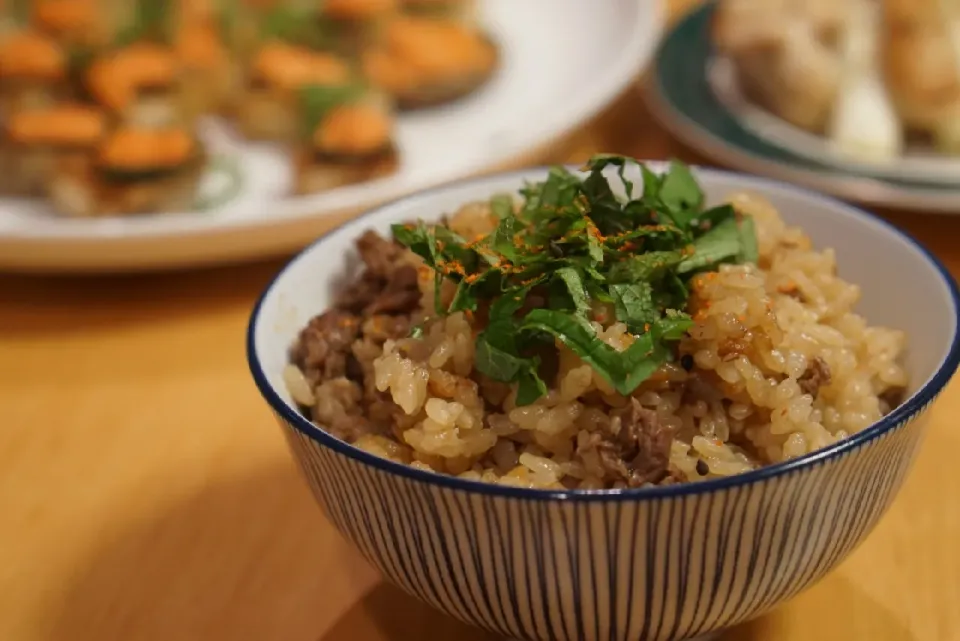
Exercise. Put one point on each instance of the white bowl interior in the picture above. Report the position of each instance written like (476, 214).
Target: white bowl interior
(901, 286)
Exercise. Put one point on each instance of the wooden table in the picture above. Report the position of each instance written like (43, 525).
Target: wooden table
(145, 492)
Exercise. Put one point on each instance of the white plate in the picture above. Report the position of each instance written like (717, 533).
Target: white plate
(562, 61)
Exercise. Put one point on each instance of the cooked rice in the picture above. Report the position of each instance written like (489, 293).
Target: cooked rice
(759, 334)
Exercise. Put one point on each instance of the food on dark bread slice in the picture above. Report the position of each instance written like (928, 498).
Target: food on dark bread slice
(269, 109)
(35, 141)
(134, 171)
(348, 138)
(423, 62)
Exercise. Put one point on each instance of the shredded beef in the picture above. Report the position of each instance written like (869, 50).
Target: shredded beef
(400, 294)
(335, 350)
(816, 376)
(378, 253)
(360, 293)
(323, 345)
(635, 448)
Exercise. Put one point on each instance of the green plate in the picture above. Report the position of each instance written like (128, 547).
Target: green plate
(680, 96)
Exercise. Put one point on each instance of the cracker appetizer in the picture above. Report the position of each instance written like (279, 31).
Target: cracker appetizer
(422, 62)
(33, 71)
(212, 79)
(35, 141)
(141, 84)
(921, 64)
(135, 170)
(80, 25)
(347, 138)
(270, 106)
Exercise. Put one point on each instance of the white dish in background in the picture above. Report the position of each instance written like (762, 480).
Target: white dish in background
(562, 61)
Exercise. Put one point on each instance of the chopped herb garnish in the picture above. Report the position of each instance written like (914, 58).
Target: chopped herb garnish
(575, 246)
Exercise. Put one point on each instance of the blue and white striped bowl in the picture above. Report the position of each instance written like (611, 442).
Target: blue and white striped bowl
(660, 563)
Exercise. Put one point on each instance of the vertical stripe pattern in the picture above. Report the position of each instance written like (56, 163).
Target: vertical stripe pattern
(650, 568)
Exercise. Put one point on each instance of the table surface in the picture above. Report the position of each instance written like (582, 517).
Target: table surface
(146, 492)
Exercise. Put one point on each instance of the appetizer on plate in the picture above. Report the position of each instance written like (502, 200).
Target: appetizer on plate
(212, 78)
(75, 23)
(36, 141)
(134, 170)
(424, 61)
(787, 54)
(125, 82)
(269, 109)
(141, 84)
(347, 138)
(869, 75)
(33, 71)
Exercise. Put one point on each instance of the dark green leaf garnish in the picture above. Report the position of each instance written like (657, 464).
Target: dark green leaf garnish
(502, 205)
(634, 305)
(720, 244)
(570, 279)
(749, 252)
(680, 192)
(576, 243)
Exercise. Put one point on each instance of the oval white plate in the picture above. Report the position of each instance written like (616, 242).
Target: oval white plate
(562, 61)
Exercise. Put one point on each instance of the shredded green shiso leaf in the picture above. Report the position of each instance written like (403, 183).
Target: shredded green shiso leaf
(575, 239)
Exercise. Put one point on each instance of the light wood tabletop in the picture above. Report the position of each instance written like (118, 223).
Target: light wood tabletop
(147, 494)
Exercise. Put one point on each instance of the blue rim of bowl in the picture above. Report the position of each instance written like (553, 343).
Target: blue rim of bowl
(907, 410)
(680, 96)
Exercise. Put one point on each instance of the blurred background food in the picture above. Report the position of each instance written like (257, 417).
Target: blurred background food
(100, 99)
(876, 77)
(240, 129)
